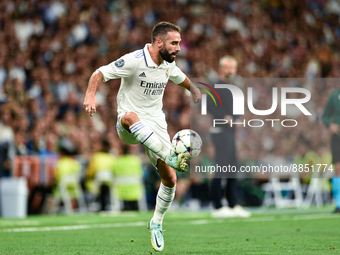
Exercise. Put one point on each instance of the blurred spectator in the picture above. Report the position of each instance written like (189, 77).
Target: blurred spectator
(200, 185)
(225, 149)
(128, 174)
(7, 143)
(67, 167)
(306, 156)
(3, 74)
(20, 144)
(51, 146)
(99, 173)
(331, 118)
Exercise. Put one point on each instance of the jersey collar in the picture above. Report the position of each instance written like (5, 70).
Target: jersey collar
(148, 60)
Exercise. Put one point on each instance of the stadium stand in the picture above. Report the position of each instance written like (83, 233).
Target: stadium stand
(49, 48)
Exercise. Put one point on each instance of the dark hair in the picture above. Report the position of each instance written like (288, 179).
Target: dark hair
(106, 145)
(67, 148)
(162, 28)
(126, 149)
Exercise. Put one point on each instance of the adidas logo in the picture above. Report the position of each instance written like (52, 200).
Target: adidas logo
(142, 75)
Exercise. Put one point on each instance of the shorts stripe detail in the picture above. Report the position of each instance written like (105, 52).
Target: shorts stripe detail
(147, 137)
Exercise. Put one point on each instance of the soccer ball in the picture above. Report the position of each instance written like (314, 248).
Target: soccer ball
(188, 142)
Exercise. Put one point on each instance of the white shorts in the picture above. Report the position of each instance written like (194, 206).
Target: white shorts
(156, 125)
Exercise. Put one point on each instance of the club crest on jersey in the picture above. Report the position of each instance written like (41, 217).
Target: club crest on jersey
(119, 63)
(167, 73)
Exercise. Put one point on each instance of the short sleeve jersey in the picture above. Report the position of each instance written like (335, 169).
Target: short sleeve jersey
(142, 81)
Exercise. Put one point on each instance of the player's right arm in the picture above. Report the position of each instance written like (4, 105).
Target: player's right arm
(123, 67)
(90, 101)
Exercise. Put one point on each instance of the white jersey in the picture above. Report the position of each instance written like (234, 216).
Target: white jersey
(142, 82)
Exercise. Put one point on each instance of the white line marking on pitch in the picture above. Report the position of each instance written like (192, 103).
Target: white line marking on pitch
(76, 227)
(199, 222)
(194, 222)
(284, 217)
(19, 223)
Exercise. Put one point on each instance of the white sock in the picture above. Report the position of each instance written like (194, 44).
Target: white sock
(164, 200)
(148, 138)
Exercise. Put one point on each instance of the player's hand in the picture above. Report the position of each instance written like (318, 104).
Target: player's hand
(196, 95)
(334, 128)
(90, 104)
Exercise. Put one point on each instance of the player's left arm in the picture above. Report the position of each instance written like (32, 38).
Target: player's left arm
(195, 92)
(178, 77)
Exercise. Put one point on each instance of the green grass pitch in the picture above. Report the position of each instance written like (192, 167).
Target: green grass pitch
(315, 231)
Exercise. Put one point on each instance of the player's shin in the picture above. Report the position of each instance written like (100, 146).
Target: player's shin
(149, 139)
(164, 199)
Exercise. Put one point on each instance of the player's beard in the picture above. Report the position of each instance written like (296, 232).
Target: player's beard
(166, 55)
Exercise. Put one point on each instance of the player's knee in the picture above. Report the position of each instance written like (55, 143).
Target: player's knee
(173, 179)
(129, 119)
(167, 174)
(170, 180)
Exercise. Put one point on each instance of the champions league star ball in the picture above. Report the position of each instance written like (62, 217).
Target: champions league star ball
(188, 142)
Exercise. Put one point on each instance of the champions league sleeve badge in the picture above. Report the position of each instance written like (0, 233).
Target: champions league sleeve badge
(113, 68)
(119, 63)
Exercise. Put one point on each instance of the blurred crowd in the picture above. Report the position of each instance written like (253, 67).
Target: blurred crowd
(48, 50)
